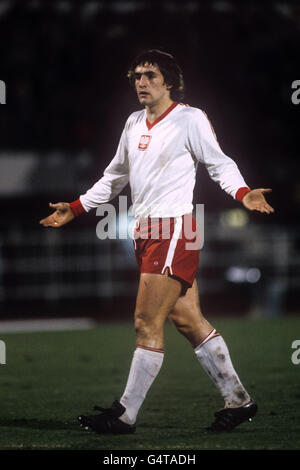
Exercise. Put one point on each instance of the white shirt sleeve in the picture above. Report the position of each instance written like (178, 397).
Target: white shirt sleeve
(204, 146)
(114, 179)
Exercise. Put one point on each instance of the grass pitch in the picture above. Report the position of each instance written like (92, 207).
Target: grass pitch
(51, 377)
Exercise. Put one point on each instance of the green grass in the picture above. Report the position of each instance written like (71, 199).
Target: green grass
(52, 377)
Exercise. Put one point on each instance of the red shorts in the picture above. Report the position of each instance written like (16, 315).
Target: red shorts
(172, 243)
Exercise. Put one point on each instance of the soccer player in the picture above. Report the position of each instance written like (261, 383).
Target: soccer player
(158, 155)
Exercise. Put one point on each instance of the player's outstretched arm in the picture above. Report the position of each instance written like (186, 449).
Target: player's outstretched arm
(255, 201)
(62, 215)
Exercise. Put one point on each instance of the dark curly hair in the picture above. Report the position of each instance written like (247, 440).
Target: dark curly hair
(167, 66)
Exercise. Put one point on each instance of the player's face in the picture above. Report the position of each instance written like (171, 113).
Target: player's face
(150, 85)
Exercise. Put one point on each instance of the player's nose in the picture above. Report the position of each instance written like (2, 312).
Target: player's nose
(143, 81)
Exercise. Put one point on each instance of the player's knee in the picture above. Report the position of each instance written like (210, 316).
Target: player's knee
(146, 324)
(182, 324)
(178, 320)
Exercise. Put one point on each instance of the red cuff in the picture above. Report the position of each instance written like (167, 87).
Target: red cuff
(77, 207)
(241, 193)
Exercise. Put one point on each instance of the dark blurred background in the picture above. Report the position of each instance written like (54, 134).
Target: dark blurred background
(64, 64)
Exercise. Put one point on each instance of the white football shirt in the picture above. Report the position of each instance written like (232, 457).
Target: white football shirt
(160, 160)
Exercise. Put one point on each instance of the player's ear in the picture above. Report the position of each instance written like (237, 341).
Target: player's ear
(169, 87)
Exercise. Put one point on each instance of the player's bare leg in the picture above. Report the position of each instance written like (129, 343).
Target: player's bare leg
(188, 319)
(156, 297)
(212, 353)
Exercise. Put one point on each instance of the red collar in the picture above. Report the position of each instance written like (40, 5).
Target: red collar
(150, 125)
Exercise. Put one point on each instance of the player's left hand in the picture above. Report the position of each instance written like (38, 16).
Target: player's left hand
(255, 201)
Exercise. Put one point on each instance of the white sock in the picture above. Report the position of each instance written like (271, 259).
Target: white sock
(214, 357)
(145, 366)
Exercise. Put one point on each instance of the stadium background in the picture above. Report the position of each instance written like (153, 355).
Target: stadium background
(67, 98)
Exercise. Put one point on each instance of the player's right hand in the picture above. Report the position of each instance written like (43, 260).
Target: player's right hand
(62, 215)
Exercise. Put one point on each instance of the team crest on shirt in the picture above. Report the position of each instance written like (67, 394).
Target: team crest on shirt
(144, 142)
